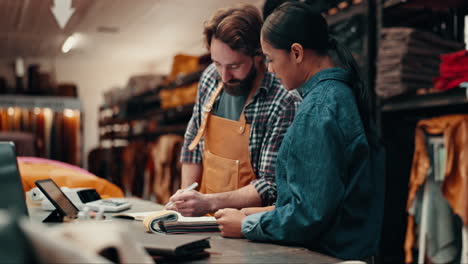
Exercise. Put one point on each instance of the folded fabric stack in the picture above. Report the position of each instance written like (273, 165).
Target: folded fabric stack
(408, 60)
(137, 85)
(453, 70)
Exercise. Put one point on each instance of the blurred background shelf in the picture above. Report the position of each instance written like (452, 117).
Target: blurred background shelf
(30, 102)
(452, 97)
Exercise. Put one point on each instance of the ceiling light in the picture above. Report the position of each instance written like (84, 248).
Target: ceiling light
(69, 43)
(19, 67)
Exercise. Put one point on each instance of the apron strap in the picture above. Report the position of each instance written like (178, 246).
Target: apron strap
(206, 112)
(207, 109)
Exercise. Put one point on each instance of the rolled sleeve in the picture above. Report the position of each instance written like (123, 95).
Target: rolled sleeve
(250, 226)
(266, 185)
(192, 156)
(266, 188)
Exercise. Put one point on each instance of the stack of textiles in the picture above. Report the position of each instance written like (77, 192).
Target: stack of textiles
(408, 60)
(185, 91)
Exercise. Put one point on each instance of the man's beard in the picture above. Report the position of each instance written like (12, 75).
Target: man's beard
(238, 87)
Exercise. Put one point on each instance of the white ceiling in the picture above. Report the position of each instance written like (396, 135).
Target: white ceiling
(139, 29)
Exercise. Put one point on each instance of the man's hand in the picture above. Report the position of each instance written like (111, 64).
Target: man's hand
(191, 203)
(230, 222)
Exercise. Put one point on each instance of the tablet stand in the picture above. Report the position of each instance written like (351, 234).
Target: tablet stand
(54, 217)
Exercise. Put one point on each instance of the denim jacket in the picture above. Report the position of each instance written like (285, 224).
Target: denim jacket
(330, 181)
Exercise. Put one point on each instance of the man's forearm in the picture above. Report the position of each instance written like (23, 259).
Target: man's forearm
(246, 196)
(191, 172)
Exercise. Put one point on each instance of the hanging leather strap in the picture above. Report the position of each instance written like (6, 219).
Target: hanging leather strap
(206, 112)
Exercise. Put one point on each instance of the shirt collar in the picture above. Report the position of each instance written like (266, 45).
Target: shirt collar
(327, 74)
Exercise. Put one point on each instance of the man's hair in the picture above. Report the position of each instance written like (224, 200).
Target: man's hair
(238, 27)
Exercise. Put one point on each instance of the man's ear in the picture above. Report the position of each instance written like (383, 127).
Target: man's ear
(297, 52)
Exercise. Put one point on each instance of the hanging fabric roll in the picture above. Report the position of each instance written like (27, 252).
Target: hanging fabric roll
(167, 166)
(454, 129)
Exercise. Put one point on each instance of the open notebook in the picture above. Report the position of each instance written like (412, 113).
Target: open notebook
(168, 221)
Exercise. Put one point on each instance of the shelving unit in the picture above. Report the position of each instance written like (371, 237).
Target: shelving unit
(358, 21)
(166, 121)
(398, 116)
(347, 13)
(55, 122)
(130, 127)
(145, 107)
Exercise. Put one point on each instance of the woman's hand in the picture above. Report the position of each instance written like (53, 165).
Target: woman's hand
(230, 222)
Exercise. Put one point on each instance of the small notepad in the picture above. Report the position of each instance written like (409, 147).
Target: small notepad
(134, 216)
(168, 221)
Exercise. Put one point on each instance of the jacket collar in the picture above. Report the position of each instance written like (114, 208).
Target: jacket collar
(339, 74)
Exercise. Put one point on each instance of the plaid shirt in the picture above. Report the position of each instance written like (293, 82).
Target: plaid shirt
(270, 113)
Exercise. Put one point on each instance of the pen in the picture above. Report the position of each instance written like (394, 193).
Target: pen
(191, 187)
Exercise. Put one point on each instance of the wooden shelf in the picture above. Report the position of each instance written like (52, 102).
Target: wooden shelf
(457, 96)
(166, 129)
(153, 94)
(430, 4)
(155, 114)
(56, 103)
(347, 13)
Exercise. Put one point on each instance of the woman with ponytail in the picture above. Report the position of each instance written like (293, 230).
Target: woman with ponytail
(330, 167)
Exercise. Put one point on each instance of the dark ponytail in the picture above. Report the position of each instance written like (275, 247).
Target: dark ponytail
(365, 98)
(297, 22)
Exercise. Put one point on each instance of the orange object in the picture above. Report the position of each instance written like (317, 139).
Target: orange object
(182, 64)
(455, 186)
(33, 169)
(185, 94)
(171, 98)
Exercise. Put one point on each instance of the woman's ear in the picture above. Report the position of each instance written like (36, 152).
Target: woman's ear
(297, 52)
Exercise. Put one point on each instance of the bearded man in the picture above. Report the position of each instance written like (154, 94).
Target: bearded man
(240, 117)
